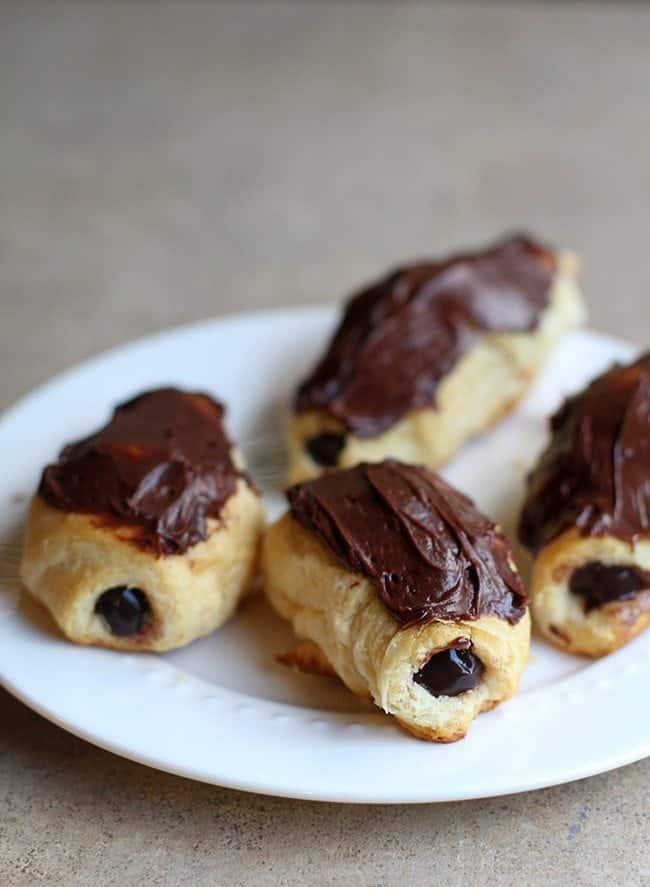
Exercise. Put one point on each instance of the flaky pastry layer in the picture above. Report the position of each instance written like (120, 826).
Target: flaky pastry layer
(70, 559)
(341, 613)
(561, 616)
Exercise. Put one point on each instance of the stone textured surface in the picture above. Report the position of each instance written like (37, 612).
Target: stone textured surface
(165, 162)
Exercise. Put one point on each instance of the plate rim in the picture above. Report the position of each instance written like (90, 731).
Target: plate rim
(270, 789)
(170, 332)
(257, 785)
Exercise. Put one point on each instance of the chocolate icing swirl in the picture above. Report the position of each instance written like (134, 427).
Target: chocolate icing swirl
(401, 336)
(595, 472)
(425, 547)
(161, 464)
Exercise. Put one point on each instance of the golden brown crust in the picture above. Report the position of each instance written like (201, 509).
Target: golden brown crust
(429, 735)
(70, 559)
(560, 615)
(342, 614)
(483, 387)
(308, 658)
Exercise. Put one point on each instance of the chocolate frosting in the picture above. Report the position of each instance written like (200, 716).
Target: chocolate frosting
(401, 336)
(162, 464)
(595, 472)
(428, 551)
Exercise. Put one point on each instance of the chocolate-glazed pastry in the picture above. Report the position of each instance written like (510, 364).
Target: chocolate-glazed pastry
(143, 536)
(397, 524)
(162, 465)
(432, 354)
(587, 515)
(405, 589)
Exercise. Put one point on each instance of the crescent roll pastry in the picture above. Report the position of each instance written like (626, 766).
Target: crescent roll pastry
(144, 536)
(587, 516)
(407, 591)
(432, 354)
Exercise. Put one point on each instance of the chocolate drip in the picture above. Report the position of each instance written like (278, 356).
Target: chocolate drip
(595, 472)
(597, 583)
(424, 546)
(162, 464)
(400, 337)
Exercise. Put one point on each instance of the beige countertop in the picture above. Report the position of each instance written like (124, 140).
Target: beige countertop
(166, 162)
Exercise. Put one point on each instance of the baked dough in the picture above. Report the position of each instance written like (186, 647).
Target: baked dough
(70, 560)
(145, 534)
(586, 517)
(485, 384)
(341, 613)
(561, 615)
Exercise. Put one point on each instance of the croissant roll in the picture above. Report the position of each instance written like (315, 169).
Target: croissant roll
(431, 355)
(587, 516)
(144, 536)
(405, 589)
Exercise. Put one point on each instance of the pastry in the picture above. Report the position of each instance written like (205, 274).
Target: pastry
(432, 354)
(144, 535)
(587, 516)
(405, 589)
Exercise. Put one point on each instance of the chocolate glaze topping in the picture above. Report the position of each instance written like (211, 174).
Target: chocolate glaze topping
(162, 464)
(597, 583)
(595, 472)
(399, 337)
(424, 546)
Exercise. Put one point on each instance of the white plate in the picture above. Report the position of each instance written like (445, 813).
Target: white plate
(222, 710)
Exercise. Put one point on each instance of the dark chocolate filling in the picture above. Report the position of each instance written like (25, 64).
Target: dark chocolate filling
(325, 448)
(125, 610)
(452, 671)
(597, 583)
(402, 335)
